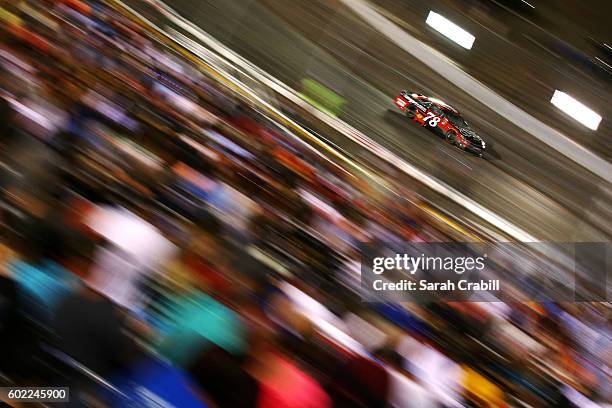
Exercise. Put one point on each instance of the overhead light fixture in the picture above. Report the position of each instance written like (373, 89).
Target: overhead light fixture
(576, 109)
(450, 30)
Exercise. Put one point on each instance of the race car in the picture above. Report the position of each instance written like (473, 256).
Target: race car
(441, 119)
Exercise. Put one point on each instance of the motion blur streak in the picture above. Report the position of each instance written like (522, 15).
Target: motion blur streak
(515, 187)
(442, 65)
(347, 130)
(353, 134)
(204, 55)
(178, 229)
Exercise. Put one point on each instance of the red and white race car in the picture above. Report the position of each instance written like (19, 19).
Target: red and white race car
(441, 119)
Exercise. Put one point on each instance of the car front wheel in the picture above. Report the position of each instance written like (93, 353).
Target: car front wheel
(410, 113)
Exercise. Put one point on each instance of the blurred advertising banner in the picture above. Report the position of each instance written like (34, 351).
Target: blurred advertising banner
(322, 97)
(483, 272)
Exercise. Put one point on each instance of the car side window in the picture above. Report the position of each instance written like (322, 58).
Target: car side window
(436, 110)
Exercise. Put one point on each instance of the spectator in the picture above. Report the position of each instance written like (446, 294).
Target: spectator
(134, 249)
(89, 326)
(6, 123)
(195, 320)
(404, 390)
(282, 381)
(42, 281)
(11, 325)
(224, 378)
(362, 382)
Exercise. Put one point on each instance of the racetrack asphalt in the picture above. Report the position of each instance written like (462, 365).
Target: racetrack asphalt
(523, 180)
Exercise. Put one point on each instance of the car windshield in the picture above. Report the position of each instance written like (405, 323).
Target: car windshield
(455, 119)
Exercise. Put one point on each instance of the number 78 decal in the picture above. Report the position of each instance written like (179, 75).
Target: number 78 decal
(433, 119)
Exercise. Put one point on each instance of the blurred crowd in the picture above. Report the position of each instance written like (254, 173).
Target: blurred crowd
(165, 243)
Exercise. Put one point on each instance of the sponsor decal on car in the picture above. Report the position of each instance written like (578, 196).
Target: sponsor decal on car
(415, 103)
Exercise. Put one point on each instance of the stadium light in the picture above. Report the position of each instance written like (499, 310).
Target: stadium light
(450, 30)
(576, 110)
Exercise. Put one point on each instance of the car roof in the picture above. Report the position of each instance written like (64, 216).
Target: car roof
(440, 103)
(443, 105)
